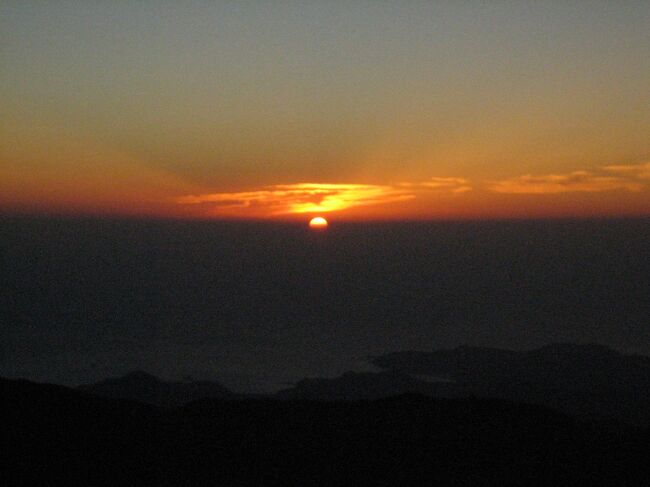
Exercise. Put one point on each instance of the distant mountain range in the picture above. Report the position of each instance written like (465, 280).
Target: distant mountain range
(585, 381)
(588, 381)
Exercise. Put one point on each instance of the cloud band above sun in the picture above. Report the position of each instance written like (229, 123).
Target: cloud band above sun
(406, 198)
(300, 198)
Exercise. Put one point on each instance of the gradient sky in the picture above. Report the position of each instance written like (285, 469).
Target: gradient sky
(358, 109)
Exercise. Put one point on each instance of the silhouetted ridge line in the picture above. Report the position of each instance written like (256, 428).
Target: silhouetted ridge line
(587, 381)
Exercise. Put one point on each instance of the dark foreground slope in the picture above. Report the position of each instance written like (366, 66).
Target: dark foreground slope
(143, 387)
(69, 437)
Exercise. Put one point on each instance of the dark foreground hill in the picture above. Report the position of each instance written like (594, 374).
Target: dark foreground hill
(143, 387)
(60, 436)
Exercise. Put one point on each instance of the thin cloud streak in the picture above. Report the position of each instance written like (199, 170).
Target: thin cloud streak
(576, 181)
(638, 171)
(452, 185)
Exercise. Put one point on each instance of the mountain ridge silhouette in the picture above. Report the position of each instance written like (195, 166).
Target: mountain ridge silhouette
(586, 381)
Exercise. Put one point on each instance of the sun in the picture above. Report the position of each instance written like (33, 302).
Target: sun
(318, 223)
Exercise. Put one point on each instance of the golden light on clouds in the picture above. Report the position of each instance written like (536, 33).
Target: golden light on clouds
(310, 198)
(300, 198)
(429, 197)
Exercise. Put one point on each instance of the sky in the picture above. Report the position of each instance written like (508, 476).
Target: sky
(357, 109)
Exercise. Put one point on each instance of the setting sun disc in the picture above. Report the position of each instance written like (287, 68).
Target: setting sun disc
(318, 223)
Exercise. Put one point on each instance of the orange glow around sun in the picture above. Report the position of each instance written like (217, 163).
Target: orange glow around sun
(299, 198)
(318, 223)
